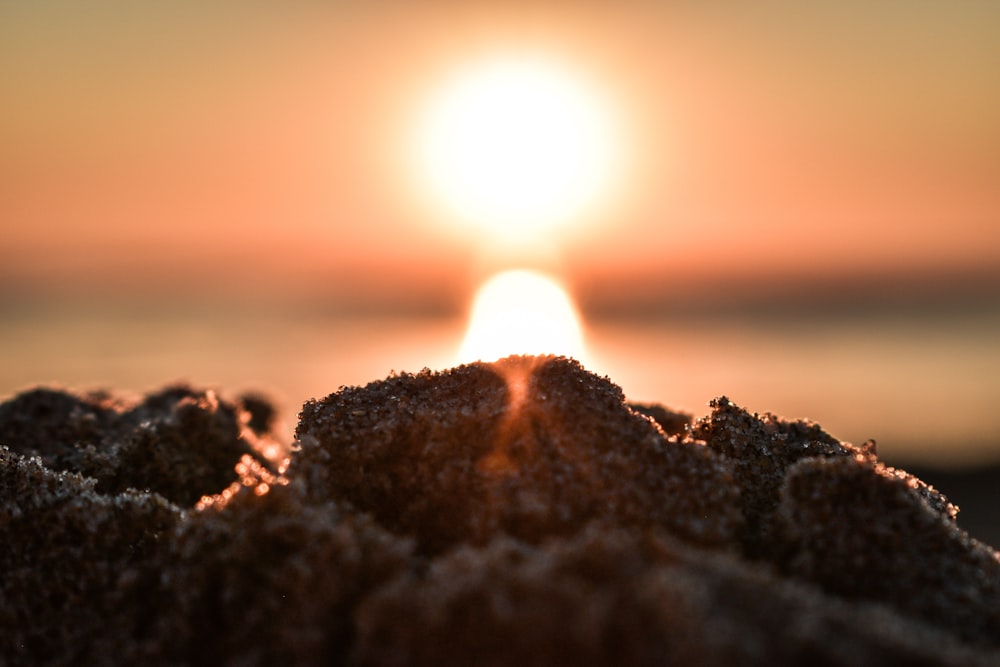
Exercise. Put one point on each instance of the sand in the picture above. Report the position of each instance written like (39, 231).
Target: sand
(520, 512)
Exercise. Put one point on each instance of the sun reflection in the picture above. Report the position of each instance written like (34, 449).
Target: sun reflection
(522, 312)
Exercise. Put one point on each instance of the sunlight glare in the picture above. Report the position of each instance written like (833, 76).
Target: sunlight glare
(516, 145)
(522, 312)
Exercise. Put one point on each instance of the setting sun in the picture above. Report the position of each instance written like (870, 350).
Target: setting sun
(522, 312)
(516, 145)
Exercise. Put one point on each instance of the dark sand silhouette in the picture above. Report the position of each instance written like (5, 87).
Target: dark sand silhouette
(519, 512)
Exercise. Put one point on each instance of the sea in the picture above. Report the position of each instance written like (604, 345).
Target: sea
(924, 389)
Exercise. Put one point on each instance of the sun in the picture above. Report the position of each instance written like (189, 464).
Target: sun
(522, 312)
(516, 144)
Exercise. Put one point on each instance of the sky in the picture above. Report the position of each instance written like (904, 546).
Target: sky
(231, 148)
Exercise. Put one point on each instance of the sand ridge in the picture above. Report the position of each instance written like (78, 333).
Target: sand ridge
(520, 512)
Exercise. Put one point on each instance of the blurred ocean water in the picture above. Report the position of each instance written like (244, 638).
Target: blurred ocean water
(924, 389)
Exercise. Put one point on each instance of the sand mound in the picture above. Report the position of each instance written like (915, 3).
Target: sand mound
(520, 512)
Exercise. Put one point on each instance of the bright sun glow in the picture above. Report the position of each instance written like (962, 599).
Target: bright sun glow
(522, 312)
(516, 145)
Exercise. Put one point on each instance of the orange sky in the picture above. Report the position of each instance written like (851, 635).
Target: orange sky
(235, 145)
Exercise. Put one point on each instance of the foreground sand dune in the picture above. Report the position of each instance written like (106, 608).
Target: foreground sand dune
(519, 512)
